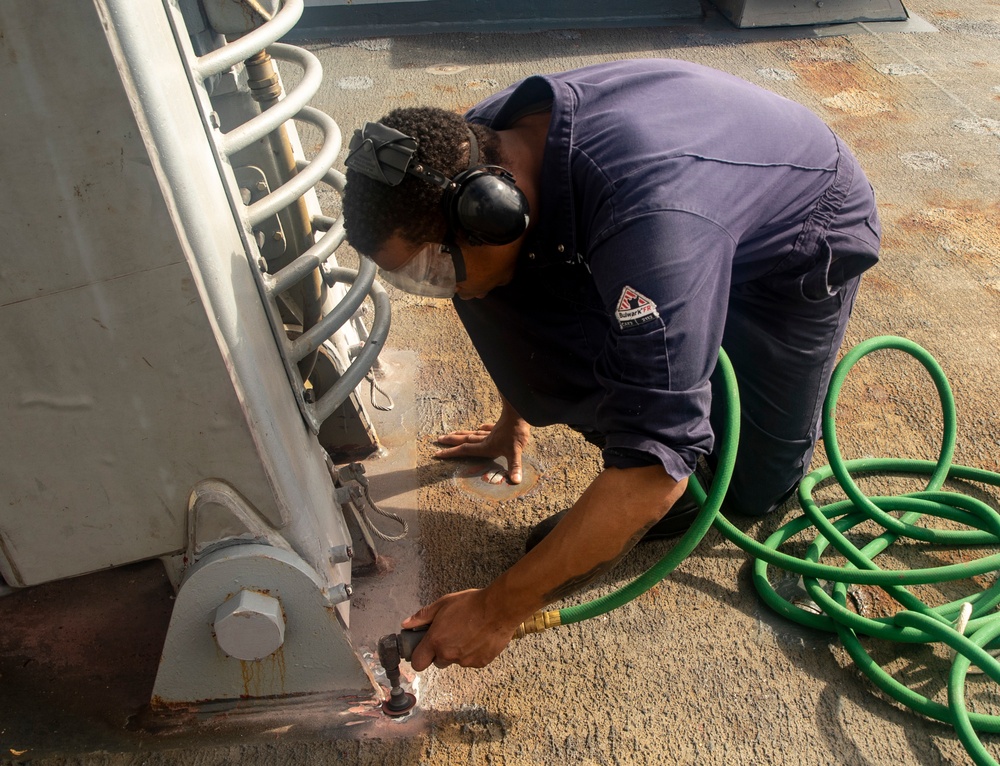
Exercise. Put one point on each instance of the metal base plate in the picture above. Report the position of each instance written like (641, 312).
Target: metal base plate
(316, 656)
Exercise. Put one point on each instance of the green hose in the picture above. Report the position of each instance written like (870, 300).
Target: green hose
(691, 538)
(916, 622)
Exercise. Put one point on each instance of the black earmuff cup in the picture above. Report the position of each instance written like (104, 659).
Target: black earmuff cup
(487, 207)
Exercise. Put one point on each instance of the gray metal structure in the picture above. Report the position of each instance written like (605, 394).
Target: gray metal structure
(374, 18)
(783, 13)
(177, 334)
(181, 349)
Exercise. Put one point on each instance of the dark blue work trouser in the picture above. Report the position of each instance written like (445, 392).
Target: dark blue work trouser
(783, 363)
(782, 334)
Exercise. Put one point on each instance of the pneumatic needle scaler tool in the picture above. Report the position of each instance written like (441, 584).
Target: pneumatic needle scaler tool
(393, 649)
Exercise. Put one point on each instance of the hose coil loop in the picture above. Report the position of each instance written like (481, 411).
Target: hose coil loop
(916, 621)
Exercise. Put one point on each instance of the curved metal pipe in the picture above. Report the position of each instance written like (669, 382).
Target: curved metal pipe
(363, 282)
(243, 48)
(281, 111)
(365, 360)
(317, 254)
(310, 260)
(309, 176)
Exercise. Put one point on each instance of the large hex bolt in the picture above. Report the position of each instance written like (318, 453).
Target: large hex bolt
(249, 625)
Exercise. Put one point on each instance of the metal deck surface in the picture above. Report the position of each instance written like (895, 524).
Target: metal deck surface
(696, 671)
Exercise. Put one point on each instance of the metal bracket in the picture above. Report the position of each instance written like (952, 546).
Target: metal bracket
(238, 522)
(349, 494)
(268, 232)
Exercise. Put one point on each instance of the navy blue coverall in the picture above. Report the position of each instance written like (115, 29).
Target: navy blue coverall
(681, 209)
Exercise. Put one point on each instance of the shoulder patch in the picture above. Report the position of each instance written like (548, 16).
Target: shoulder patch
(634, 308)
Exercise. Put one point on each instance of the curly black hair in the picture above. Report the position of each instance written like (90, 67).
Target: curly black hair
(374, 211)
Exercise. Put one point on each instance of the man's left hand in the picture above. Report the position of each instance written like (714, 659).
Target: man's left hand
(464, 630)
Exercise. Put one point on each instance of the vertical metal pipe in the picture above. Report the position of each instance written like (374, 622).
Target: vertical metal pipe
(265, 87)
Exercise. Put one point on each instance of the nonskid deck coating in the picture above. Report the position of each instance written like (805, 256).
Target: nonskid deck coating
(696, 671)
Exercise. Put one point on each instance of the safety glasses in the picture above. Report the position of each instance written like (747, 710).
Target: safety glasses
(433, 271)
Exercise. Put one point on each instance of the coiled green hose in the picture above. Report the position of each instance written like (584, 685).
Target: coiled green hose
(916, 622)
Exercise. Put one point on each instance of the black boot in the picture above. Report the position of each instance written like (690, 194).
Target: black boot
(676, 522)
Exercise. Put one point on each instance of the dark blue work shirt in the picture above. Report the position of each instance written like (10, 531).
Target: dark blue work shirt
(664, 186)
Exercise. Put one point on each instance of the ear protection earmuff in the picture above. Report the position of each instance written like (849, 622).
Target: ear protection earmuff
(483, 202)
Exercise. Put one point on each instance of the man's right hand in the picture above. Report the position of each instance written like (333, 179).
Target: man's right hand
(506, 438)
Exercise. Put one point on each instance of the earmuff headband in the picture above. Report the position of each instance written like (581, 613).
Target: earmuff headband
(384, 154)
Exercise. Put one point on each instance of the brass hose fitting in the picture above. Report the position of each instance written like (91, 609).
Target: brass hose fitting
(538, 622)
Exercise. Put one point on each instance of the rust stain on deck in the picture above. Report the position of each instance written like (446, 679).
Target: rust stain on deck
(965, 229)
(847, 85)
(878, 284)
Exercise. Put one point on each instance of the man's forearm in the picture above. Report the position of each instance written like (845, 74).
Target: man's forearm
(613, 514)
